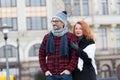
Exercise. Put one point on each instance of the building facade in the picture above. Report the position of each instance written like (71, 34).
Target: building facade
(31, 20)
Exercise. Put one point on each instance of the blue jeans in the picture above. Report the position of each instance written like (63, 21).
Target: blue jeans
(59, 77)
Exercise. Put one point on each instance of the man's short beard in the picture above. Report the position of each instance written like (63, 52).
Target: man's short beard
(55, 27)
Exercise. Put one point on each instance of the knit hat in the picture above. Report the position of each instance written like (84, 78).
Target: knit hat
(62, 16)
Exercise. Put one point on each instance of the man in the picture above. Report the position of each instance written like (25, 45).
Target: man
(57, 59)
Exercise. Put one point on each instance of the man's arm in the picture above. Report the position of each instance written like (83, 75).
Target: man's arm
(42, 55)
(73, 57)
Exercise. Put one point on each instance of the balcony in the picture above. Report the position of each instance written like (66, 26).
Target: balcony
(110, 51)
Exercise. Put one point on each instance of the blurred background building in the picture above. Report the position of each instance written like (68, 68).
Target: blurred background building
(31, 20)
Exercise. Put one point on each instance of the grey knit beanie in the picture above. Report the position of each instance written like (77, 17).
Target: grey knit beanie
(62, 16)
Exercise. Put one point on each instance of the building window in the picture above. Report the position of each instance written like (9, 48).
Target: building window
(10, 50)
(10, 22)
(34, 50)
(118, 37)
(104, 5)
(35, 2)
(85, 8)
(103, 38)
(118, 5)
(76, 8)
(8, 3)
(105, 71)
(73, 9)
(36, 23)
(43, 2)
(68, 6)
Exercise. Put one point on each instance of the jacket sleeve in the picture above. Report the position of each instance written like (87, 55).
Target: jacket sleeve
(87, 54)
(42, 55)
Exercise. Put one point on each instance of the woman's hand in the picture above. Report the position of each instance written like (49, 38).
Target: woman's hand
(75, 46)
(78, 50)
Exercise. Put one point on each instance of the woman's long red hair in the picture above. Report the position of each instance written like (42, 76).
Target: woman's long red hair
(85, 28)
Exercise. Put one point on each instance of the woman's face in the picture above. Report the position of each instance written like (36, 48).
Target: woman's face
(78, 30)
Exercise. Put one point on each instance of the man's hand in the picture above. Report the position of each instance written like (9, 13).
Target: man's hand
(47, 73)
(65, 72)
(73, 45)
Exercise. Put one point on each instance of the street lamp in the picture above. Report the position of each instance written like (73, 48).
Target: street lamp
(5, 29)
(18, 56)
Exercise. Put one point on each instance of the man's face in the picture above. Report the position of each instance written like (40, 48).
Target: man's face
(57, 24)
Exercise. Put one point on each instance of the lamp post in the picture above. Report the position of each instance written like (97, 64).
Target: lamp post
(5, 29)
(18, 57)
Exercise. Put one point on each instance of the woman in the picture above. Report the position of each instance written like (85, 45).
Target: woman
(86, 67)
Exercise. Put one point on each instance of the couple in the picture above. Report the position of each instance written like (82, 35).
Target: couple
(68, 56)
